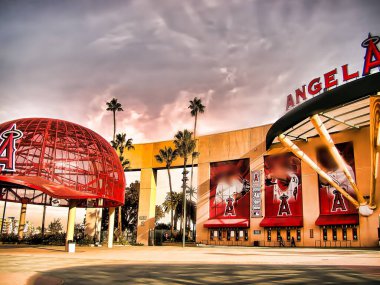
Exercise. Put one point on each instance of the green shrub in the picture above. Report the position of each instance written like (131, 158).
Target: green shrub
(33, 239)
(55, 239)
(86, 240)
(9, 238)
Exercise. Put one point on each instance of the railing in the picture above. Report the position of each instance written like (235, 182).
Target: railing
(226, 242)
(275, 243)
(333, 243)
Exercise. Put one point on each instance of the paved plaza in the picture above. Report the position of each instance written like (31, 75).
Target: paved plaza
(193, 265)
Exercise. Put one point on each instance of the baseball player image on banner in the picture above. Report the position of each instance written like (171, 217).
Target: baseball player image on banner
(283, 187)
(332, 202)
(229, 189)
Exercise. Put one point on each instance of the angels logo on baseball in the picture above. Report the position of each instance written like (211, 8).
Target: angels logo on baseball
(8, 148)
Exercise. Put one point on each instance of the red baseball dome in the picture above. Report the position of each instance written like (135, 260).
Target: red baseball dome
(55, 161)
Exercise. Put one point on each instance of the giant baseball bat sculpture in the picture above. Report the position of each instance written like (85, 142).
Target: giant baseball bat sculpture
(375, 173)
(303, 156)
(375, 146)
(326, 138)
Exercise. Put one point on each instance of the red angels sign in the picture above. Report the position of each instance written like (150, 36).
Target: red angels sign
(330, 80)
(8, 149)
(331, 201)
(283, 191)
(229, 189)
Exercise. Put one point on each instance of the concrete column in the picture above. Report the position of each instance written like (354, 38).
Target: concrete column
(203, 196)
(147, 203)
(71, 221)
(21, 224)
(111, 224)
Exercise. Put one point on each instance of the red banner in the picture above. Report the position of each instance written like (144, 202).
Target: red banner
(283, 191)
(332, 202)
(229, 190)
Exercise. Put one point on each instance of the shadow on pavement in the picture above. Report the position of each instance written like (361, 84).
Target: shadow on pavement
(208, 274)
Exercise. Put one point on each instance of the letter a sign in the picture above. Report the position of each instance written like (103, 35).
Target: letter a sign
(8, 140)
(256, 194)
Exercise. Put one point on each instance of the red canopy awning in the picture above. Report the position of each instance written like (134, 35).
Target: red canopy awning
(334, 220)
(227, 223)
(269, 222)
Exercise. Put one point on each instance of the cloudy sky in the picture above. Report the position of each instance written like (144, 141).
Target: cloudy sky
(65, 59)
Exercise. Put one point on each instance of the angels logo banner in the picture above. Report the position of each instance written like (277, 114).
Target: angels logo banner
(332, 202)
(283, 190)
(229, 189)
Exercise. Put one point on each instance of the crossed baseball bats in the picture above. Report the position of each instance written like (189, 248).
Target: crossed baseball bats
(365, 209)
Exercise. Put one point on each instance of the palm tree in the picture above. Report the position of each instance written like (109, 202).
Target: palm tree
(114, 106)
(185, 145)
(167, 156)
(173, 202)
(195, 107)
(120, 144)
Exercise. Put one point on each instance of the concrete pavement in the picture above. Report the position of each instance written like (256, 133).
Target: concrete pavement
(195, 265)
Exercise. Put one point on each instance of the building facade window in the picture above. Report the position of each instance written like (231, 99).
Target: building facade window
(344, 233)
(311, 233)
(354, 233)
(334, 233)
(298, 235)
(288, 235)
(269, 236)
(324, 234)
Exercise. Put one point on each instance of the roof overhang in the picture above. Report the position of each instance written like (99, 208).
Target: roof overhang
(344, 107)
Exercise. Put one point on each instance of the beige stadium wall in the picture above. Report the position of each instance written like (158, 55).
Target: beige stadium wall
(250, 143)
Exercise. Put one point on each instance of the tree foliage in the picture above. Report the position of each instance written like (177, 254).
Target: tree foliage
(167, 155)
(159, 213)
(120, 144)
(55, 226)
(196, 107)
(129, 210)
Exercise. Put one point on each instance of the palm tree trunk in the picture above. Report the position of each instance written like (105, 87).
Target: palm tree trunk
(114, 125)
(119, 225)
(171, 203)
(184, 202)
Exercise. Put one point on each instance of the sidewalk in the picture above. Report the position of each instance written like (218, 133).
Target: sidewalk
(166, 265)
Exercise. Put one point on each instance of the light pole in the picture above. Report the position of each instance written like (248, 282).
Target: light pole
(184, 180)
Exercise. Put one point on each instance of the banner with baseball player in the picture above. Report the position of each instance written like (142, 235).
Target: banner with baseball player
(331, 201)
(283, 190)
(229, 189)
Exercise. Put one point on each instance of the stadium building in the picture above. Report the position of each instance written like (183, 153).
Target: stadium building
(309, 179)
